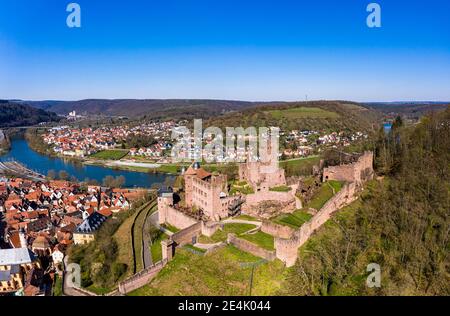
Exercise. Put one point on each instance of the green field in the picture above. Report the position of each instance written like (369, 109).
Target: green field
(301, 113)
(110, 154)
(226, 271)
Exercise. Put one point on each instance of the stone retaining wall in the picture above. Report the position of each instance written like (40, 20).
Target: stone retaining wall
(250, 247)
(174, 217)
(277, 230)
(287, 248)
(141, 278)
(185, 236)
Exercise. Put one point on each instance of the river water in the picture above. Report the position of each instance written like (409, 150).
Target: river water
(21, 152)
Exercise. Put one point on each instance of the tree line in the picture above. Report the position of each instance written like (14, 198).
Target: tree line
(400, 222)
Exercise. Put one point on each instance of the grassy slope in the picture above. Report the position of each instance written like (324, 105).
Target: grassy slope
(123, 239)
(223, 272)
(261, 239)
(137, 232)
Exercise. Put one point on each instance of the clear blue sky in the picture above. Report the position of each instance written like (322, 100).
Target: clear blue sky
(225, 49)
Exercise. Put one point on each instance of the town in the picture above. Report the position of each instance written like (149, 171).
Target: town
(40, 220)
(86, 142)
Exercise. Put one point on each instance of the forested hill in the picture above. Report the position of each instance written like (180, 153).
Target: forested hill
(316, 115)
(401, 222)
(331, 115)
(154, 109)
(14, 114)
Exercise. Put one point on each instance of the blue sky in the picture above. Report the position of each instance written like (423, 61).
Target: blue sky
(225, 49)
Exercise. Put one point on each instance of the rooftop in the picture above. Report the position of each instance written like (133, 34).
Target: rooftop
(16, 256)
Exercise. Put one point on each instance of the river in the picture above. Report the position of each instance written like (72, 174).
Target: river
(21, 152)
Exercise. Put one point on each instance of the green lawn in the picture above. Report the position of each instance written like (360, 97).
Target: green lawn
(110, 154)
(155, 248)
(221, 235)
(301, 113)
(241, 187)
(224, 272)
(261, 239)
(294, 220)
(324, 194)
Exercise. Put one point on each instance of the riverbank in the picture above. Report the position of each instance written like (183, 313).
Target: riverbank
(75, 168)
(293, 167)
(5, 144)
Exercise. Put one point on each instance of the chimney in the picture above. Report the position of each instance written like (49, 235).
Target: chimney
(23, 238)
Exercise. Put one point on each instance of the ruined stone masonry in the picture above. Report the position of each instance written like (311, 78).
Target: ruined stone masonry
(355, 174)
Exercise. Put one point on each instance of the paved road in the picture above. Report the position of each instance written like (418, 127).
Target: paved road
(149, 221)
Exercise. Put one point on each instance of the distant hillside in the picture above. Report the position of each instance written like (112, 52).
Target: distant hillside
(319, 115)
(186, 109)
(14, 114)
(408, 109)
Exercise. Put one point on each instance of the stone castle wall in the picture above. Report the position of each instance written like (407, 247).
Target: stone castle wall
(255, 202)
(168, 214)
(277, 230)
(358, 172)
(250, 247)
(287, 249)
(141, 278)
(209, 228)
(186, 235)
